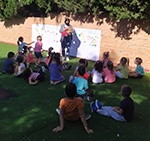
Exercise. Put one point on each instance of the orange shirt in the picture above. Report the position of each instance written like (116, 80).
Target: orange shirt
(71, 108)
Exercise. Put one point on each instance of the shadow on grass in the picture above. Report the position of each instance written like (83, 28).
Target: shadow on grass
(32, 115)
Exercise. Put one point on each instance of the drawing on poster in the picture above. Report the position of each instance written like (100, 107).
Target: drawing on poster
(85, 42)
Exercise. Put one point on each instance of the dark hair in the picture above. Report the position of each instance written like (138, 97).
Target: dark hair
(19, 60)
(106, 54)
(67, 19)
(56, 57)
(98, 66)
(39, 37)
(126, 90)
(83, 62)
(71, 90)
(50, 51)
(24, 50)
(81, 70)
(27, 73)
(139, 60)
(10, 55)
(123, 60)
(110, 66)
(20, 39)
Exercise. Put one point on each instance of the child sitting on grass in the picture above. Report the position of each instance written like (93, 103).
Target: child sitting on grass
(109, 73)
(105, 57)
(96, 73)
(81, 83)
(55, 69)
(123, 113)
(34, 77)
(139, 71)
(8, 66)
(122, 70)
(20, 67)
(82, 62)
(72, 109)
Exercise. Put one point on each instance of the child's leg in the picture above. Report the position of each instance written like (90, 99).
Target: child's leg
(105, 110)
(71, 78)
(118, 74)
(52, 82)
(108, 111)
(56, 82)
(40, 60)
(41, 76)
(133, 74)
(61, 80)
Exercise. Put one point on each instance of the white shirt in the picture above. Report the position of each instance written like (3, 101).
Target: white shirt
(97, 77)
(22, 65)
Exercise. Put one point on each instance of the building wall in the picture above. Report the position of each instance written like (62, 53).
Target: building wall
(122, 38)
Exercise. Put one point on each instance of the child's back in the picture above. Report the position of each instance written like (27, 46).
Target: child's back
(124, 71)
(71, 108)
(55, 71)
(96, 73)
(81, 84)
(127, 105)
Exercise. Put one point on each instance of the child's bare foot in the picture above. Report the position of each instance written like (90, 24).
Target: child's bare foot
(52, 82)
(56, 82)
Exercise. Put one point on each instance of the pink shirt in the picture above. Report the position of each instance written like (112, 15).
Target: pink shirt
(33, 76)
(109, 77)
(38, 46)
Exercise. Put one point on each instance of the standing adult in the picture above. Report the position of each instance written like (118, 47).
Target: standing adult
(66, 31)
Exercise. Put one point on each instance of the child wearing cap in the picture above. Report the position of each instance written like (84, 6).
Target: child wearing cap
(139, 71)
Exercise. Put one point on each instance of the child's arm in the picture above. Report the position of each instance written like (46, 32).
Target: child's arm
(91, 75)
(30, 43)
(118, 110)
(23, 69)
(117, 68)
(82, 116)
(32, 83)
(61, 118)
(74, 74)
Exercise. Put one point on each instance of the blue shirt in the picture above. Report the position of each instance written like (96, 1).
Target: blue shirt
(8, 65)
(81, 85)
(139, 69)
(21, 46)
(55, 71)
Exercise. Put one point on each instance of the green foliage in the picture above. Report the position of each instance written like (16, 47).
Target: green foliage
(131, 9)
(120, 9)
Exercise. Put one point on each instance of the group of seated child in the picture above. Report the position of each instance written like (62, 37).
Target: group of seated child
(71, 107)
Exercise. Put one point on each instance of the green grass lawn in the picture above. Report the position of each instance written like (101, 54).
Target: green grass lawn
(32, 115)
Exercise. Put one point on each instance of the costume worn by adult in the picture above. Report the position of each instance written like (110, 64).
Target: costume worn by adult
(66, 40)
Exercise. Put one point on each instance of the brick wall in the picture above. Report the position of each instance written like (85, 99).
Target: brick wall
(129, 38)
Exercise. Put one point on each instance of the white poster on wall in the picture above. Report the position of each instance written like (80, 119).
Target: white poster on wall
(85, 42)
